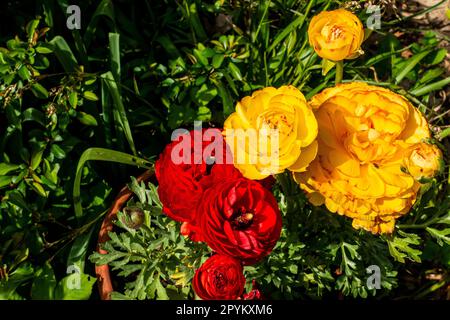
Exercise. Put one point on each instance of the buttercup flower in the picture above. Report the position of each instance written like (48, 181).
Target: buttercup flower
(424, 161)
(365, 135)
(270, 131)
(219, 278)
(336, 35)
(240, 218)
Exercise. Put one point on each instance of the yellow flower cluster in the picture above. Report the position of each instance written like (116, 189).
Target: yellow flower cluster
(360, 150)
(371, 154)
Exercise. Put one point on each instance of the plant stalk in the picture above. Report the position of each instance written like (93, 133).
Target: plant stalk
(339, 72)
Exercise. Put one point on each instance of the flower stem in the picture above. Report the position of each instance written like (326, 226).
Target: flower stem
(339, 72)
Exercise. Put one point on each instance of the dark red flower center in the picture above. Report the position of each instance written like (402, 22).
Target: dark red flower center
(219, 280)
(242, 220)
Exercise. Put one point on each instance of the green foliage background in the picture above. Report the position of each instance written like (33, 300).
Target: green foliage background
(78, 107)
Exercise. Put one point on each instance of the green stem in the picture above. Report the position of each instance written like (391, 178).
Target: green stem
(339, 72)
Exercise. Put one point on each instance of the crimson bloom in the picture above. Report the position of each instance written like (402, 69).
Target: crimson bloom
(181, 171)
(219, 278)
(240, 218)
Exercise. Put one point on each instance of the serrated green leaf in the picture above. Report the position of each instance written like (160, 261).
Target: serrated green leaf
(442, 236)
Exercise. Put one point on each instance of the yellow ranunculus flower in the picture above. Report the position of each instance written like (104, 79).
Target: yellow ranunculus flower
(271, 130)
(365, 135)
(336, 35)
(424, 161)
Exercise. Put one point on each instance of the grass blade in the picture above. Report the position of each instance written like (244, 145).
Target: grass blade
(412, 63)
(101, 154)
(64, 54)
(430, 87)
(105, 8)
(114, 51)
(119, 108)
(296, 24)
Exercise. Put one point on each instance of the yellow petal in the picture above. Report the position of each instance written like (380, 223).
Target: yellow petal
(307, 155)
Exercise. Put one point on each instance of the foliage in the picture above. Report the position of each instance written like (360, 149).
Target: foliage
(137, 70)
(159, 262)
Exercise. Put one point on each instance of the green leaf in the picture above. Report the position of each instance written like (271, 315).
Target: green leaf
(430, 87)
(90, 96)
(86, 119)
(36, 186)
(57, 151)
(64, 54)
(104, 9)
(32, 114)
(119, 110)
(327, 65)
(73, 99)
(429, 75)
(16, 278)
(36, 159)
(16, 198)
(44, 49)
(160, 290)
(444, 133)
(39, 91)
(296, 24)
(235, 72)
(217, 60)
(79, 249)
(194, 20)
(31, 28)
(100, 154)
(24, 73)
(200, 57)
(76, 286)
(44, 283)
(436, 57)
(442, 236)
(114, 52)
(6, 168)
(227, 101)
(410, 64)
(400, 246)
(168, 45)
(5, 181)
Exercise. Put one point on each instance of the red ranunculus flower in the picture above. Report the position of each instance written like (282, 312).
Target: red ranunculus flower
(219, 278)
(240, 218)
(183, 171)
(254, 294)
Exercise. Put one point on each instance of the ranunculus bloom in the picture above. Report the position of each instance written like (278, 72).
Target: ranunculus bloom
(336, 35)
(254, 294)
(424, 161)
(219, 278)
(270, 131)
(181, 185)
(365, 135)
(240, 218)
